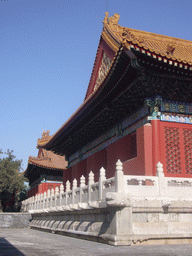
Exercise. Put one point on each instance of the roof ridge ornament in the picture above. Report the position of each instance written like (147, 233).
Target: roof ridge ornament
(124, 36)
(44, 138)
(171, 48)
(106, 17)
(112, 21)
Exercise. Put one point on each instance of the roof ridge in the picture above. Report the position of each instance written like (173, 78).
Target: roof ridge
(175, 39)
(165, 46)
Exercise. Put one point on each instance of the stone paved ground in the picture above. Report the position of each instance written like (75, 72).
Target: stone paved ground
(28, 242)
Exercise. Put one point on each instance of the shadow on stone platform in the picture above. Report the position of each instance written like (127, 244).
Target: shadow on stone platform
(7, 249)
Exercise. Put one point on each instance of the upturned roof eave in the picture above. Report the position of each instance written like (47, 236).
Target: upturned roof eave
(33, 164)
(83, 107)
(70, 121)
(114, 39)
(114, 33)
(46, 166)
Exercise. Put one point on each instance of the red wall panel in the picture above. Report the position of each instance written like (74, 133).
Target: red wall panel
(100, 161)
(95, 162)
(176, 149)
(67, 175)
(81, 170)
(41, 188)
(121, 149)
(134, 150)
(142, 163)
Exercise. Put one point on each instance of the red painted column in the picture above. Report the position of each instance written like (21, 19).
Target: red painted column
(155, 143)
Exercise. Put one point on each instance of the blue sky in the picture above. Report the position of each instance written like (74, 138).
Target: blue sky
(47, 53)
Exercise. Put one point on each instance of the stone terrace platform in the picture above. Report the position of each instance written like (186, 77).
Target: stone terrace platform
(29, 242)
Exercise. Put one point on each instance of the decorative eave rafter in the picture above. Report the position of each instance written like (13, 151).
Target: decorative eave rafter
(164, 48)
(163, 60)
(134, 78)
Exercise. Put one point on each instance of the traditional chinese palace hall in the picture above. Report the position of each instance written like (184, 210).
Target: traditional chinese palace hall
(137, 108)
(46, 170)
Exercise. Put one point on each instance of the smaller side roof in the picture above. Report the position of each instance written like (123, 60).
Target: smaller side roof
(46, 158)
(49, 160)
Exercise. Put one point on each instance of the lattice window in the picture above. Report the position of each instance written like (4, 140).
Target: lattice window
(187, 135)
(172, 143)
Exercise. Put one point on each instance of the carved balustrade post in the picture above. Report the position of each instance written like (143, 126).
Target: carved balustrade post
(56, 195)
(90, 182)
(73, 190)
(41, 201)
(44, 200)
(82, 184)
(24, 204)
(29, 200)
(30, 204)
(48, 198)
(35, 204)
(101, 179)
(39, 204)
(67, 190)
(52, 197)
(161, 180)
(27, 205)
(121, 208)
(38, 201)
(61, 194)
(119, 177)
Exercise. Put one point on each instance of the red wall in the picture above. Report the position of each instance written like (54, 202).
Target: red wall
(167, 142)
(95, 162)
(121, 149)
(125, 148)
(41, 188)
(176, 148)
(142, 163)
(67, 175)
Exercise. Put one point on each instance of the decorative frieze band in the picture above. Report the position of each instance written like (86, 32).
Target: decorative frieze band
(127, 126)
(176, 107)
(178, 118)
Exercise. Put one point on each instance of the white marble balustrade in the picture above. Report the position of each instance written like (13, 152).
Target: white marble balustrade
(86, 196)
(158, 186)
(72, 197)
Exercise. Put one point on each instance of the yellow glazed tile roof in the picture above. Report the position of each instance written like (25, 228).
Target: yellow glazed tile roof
(167, 47)
(175, 51)
(48, 160)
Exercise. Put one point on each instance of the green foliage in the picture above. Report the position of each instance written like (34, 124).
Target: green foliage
(11, 180)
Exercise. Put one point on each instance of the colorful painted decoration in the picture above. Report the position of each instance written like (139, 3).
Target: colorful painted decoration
(104, 67)
(178, 118)
(176, 107)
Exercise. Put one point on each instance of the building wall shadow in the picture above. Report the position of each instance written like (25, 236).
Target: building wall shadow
(7, 249)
